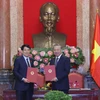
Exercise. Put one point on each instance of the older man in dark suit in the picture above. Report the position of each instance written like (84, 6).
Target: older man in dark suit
(24, 89)
(62, 63)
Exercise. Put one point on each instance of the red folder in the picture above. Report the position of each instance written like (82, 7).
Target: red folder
(50, 72)
(40, 80)
(32, 74)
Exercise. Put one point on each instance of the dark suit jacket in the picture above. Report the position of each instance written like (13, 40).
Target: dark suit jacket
(20, 71)
(62, 71)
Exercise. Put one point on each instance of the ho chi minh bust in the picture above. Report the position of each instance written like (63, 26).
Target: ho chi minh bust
(49, 15)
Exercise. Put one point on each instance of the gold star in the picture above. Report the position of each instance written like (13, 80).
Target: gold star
(96, 50)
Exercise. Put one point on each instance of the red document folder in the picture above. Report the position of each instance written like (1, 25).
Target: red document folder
(40, 80)
(32, 74)
(50, 72)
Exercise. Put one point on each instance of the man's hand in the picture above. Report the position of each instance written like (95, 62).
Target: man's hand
(54, 79)
(25, 80)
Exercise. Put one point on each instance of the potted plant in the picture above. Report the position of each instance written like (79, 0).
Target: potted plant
(56, 95)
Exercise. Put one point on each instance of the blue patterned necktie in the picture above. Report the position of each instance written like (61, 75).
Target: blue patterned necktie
(56, 61)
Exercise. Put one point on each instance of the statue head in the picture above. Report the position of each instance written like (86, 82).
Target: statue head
(49, 15)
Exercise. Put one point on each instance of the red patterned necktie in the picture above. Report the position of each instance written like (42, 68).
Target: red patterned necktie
(28, 63)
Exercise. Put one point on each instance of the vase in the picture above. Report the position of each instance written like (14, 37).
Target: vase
(73, 70)
(80, 69)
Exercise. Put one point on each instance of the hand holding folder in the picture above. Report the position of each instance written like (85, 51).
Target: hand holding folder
(50, 72)
(34, 77)
(32, 74)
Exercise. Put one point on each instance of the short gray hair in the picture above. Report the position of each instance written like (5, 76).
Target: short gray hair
(57, 45)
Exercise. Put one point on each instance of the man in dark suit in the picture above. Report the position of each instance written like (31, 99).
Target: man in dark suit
(62, 63)
(24, 89)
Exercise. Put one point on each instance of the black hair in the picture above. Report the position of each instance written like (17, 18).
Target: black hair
(25, 45)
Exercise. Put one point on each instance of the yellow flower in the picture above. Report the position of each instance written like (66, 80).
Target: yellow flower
(48, 84)
(45, 88)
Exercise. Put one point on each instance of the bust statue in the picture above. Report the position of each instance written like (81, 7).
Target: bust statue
(49, 16)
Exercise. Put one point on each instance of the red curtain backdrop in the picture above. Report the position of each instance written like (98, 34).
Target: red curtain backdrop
(66, 24)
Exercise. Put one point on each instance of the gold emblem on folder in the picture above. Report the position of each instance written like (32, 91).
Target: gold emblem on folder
(32, 73)
(50, 71)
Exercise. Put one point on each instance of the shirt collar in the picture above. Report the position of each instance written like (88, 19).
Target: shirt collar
(59, 56)
(25, 57)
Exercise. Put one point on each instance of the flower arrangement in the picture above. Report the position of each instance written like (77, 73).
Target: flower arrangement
(42, 56)
(47, 86)
(75, 54)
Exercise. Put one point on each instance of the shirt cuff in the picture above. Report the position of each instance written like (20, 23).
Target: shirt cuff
(23, 79)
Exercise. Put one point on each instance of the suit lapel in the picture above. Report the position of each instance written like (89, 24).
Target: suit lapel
(24, 62)
(54, 61)
(31, 62)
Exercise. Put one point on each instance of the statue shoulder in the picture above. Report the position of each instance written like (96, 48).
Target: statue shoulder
(38, 36)
(60, 35)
